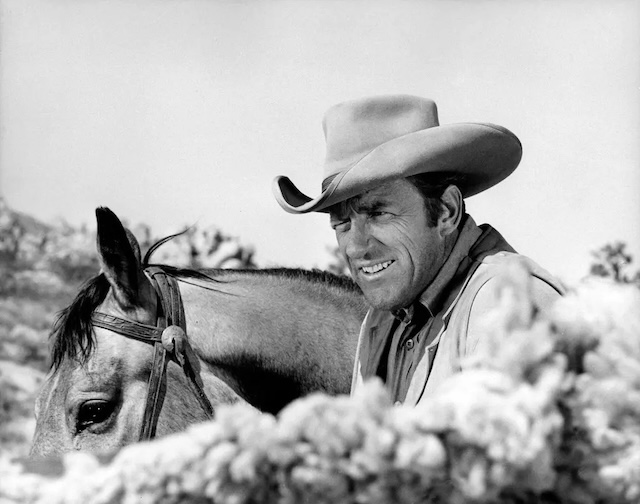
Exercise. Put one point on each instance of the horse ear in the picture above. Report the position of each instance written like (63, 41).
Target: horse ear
(119, 255)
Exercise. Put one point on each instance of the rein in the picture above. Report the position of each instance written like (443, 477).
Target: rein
(169, 339)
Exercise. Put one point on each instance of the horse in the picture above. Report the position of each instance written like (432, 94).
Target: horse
(266, 337)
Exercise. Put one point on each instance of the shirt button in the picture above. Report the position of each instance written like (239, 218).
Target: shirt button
(409, 344)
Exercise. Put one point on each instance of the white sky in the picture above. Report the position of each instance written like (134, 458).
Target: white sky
(175, 112)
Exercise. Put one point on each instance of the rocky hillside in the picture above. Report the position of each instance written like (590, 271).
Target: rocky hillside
(41, 267)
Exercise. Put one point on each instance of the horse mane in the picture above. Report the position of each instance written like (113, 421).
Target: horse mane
(72, 333)
(314, 276)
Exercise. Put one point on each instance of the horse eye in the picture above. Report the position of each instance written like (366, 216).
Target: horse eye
(92, 413)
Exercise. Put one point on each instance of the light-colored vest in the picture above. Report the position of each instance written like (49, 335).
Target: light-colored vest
(451, 342)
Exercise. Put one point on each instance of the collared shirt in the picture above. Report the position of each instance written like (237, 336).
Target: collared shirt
(398, 340)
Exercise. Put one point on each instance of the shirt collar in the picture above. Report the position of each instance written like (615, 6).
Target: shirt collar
(433, 296)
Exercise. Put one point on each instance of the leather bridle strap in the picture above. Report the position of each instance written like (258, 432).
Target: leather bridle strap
(170, 318)
(171, 313)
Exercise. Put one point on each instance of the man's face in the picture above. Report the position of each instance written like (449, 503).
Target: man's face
(383, 235)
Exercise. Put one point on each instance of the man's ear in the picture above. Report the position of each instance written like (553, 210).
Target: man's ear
(452, 210)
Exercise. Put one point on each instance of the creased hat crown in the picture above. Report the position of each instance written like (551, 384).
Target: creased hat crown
(370, 141)
(354, 129)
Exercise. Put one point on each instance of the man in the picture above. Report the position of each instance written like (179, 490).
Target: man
(394, 187)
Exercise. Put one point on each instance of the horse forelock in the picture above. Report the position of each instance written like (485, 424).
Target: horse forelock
(72, 333)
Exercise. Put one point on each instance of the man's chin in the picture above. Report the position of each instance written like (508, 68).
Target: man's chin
(380, 301)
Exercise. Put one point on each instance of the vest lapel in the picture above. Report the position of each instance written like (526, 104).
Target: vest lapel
(490, 242)
(422, 372)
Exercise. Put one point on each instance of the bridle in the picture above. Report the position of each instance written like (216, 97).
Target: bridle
(169, 339)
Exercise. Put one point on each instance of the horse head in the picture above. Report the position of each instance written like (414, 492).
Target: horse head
(95, 395)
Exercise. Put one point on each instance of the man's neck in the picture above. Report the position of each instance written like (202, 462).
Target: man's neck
(450, 242)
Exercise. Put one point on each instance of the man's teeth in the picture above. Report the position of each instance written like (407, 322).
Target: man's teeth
(376, 267)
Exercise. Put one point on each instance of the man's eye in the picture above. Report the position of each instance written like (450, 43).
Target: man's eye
(340, 225)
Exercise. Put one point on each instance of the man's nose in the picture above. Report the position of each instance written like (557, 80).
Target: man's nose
(358, 242)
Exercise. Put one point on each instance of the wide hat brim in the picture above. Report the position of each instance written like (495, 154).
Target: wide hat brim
(481, 154)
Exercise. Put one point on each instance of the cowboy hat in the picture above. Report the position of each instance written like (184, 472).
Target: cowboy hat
(371, 141)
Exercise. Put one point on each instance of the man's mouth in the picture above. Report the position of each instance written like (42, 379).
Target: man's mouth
(376, 268)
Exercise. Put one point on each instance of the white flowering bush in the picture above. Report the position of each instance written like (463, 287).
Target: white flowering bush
(547, 411)
(600, 325)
